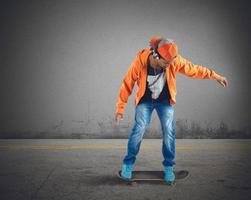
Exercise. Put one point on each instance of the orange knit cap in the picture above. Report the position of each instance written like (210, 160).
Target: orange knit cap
(167, 50)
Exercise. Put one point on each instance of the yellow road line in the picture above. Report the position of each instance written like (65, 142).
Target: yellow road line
(62, 147)
(110, 147)
(84, 147)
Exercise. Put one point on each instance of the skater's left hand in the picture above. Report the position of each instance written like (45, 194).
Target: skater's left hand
(223, 81)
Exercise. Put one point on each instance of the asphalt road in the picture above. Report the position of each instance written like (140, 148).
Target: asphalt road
(86, 169)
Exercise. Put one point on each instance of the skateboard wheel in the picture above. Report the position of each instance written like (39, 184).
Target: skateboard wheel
(133, 183)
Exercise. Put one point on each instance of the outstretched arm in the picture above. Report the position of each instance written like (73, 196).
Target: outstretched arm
(189, 69)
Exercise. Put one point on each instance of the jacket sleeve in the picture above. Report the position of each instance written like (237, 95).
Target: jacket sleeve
(127, 84)
(189, 69)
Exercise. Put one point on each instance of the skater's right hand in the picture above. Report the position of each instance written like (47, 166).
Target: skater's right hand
(117, 118)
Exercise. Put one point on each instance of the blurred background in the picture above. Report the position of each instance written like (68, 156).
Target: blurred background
(62, 64)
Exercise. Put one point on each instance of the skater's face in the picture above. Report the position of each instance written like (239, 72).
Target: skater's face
(165, 63)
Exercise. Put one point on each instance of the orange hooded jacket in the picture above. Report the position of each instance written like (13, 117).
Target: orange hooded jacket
(138, 73)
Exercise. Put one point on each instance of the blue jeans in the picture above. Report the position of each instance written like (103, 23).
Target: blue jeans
(143, 115)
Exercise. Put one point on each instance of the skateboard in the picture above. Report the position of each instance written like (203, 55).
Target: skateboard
(153, 176)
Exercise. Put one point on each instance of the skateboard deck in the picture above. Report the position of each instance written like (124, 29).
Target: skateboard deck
(141, 176)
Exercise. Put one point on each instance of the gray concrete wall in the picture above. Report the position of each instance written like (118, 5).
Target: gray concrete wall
(62, 63)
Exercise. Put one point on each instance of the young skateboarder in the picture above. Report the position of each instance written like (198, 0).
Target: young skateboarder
(154, 70)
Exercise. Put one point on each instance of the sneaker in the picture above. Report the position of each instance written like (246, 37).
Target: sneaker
(169, 175)
(126, 172)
